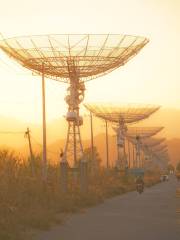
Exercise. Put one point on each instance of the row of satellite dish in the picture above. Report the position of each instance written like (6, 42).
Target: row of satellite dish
(75, 59)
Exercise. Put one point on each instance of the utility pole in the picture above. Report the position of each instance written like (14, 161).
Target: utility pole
(92, 139)
(129, 153)
(107, 145)
(134, 165)
(44, 154)
(27, 134)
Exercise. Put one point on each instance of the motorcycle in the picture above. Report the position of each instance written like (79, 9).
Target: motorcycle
(140, 188)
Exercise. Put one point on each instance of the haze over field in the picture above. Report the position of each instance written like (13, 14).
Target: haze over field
(56, 133)
(151, 77)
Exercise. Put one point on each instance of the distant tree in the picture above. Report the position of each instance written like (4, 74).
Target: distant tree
(170, 167)
(178, 167)
(93, 162)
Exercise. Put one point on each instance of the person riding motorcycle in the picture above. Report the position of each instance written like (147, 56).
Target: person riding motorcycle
(139, 184)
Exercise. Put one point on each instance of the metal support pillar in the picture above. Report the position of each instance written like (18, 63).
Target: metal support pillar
(137, 159)
(138, 152)
(121, 162)
(134, 161)
(92, 139)
(73, 153)
(125, 162)
(107, 145)
(129, 154)
(83, 176)
(44, 153)
(64, 176)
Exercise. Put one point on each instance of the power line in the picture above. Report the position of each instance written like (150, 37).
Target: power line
(40, 145)
(9, 67)
(12, 68)
(36, 141)
(8, 132)
(16, 132)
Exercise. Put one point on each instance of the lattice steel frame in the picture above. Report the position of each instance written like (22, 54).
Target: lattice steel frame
(128, 113)
(92, 55)
(143, 132)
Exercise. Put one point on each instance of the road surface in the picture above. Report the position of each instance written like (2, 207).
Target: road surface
(150, 216)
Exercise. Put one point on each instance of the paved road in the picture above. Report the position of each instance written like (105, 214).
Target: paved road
(150, 216)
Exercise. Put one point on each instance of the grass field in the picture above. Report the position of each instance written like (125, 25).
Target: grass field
(27, 203)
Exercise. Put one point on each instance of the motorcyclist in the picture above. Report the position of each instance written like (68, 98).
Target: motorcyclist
(139, 182)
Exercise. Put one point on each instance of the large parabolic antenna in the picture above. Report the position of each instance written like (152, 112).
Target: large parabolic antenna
(73, 59)
(67, 57)
(121, 115)
(151, 142)
(141, 138)
(153, 148)
(158, 152)
(143, 132)
(150, 145)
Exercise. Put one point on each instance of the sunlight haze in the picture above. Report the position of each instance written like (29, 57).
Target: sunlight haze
(150, 77)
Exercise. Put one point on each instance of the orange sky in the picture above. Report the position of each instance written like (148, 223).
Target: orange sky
(151, 77)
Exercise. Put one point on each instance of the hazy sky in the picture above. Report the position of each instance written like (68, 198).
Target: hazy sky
(153, 76)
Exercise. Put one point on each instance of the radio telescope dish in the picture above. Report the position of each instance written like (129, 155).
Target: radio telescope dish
(121, 114)
(141, 138)
(84, 56)
(159, 148)
(73, 59)
(143, 132)
(151, 142)
(156, 149)
(161, 157)
(126, 113)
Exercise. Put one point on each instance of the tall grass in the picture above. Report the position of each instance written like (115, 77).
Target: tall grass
(26, 202)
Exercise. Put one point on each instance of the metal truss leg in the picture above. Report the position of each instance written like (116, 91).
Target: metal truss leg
(64, 176)
(74, 156)
(83, 176)
(73, 150)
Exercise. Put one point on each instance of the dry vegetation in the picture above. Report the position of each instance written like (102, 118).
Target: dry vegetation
(26, 203)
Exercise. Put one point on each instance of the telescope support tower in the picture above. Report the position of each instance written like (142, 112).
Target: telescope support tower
(121, 155)
(75, 95)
